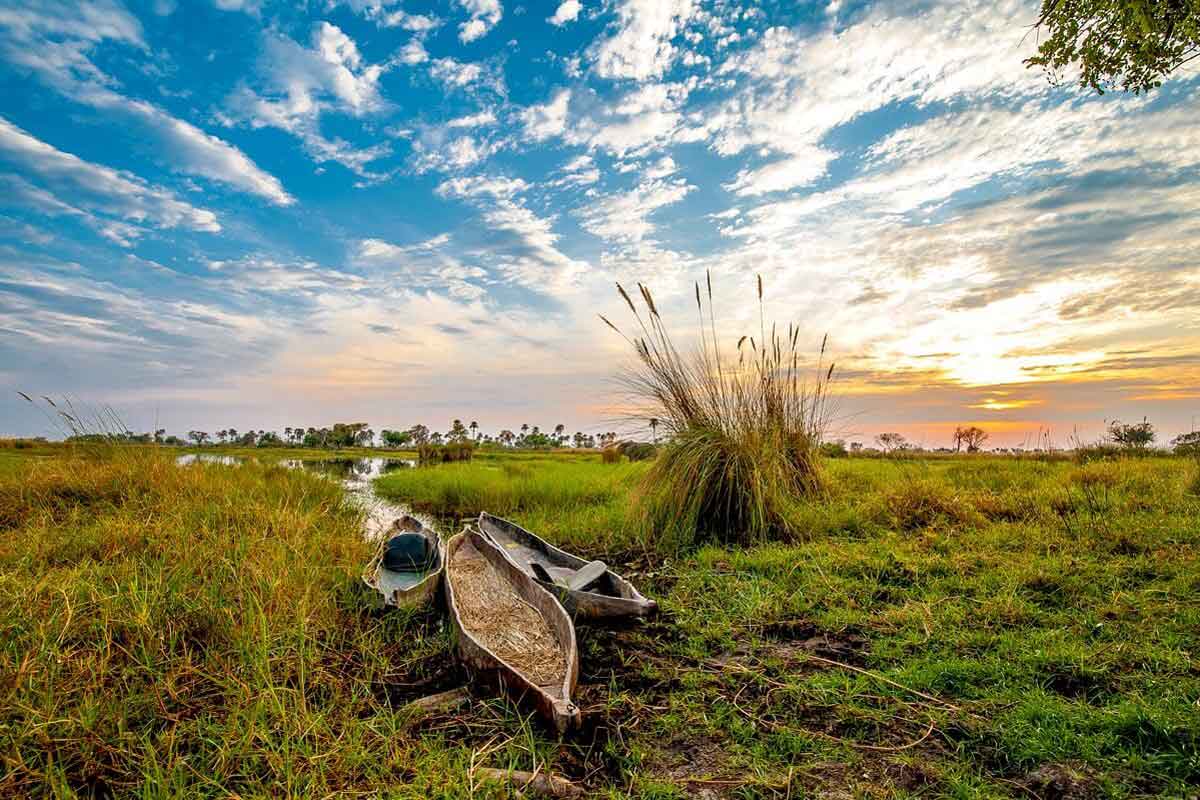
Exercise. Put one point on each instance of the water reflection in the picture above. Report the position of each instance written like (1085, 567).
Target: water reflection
(207, 458)
(356, 474)
(352, 470)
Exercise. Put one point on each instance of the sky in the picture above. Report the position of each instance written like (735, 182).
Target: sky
(221, 213)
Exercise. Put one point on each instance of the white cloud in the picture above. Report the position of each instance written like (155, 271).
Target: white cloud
(457, 144)
(484, 16)
(568, 11)
(523, 244)
(259, 273)
(794, 88)
(300, 84)
(579, 171)
(198, 153)
(550, 119)
(248, 6)
(578, 163)
(413, 53)
(417, 23)
(423, 265)
(455, 73)
(660, 169)
(378, 248)
(386, 15)
(641, 47)
(54, 41)
(435, 152)
(482, 186)
(636, 122)
(70, 23)
(787, 173)
(481, 119)
(104, 192)
(624, 217)
(97, 327)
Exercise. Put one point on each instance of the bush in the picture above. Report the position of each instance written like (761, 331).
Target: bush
(637, 451)
(834, 450)
(445, 453)
(20, 444)
(1187, 444)
(742, 436)
(610, 455)
(1085, 454)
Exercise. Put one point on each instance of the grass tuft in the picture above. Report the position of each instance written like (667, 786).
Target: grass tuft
(742, 436)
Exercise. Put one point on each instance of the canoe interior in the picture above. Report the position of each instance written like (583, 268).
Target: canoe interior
(389, 582)
(611, 595)
(407, 588)
(552, 701)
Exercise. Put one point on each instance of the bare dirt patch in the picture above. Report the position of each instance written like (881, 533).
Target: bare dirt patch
(1062, 782)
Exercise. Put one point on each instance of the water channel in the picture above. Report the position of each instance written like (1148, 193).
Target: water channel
(357, 475)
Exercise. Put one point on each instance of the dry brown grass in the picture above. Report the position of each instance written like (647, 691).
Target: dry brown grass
(495, 614)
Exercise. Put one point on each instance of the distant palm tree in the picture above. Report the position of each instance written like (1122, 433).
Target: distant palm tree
(654, 428)
(474, 426)
(558, 432)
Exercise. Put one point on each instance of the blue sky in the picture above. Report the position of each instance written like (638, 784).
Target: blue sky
(259, 214)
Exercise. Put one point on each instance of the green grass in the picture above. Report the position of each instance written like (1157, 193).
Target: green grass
(997, 627)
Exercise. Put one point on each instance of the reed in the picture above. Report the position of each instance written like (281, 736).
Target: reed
(742, 433)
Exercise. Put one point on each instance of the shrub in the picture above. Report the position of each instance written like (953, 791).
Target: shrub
(834, 450)
(610, 455)
(21, 444)
(1187, 444)
(445, 453)
(1085, 454)
(637, 451)
(742, 436)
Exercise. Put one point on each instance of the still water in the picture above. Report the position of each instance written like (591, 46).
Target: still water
(356, 474)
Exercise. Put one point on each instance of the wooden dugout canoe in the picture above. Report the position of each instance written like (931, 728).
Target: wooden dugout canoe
(407, 588)
(610, 596)
(551, 697)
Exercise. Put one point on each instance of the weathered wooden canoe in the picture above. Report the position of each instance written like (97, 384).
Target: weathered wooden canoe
(587, 590)
(413, 584)
(505, 638)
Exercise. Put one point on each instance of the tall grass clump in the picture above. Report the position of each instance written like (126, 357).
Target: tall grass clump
(742, 435)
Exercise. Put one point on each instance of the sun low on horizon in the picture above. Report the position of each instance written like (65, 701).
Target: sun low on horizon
(260, 214)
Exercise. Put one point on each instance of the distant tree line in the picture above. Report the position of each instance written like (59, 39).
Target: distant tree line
(1119, 437)
(360, 434)
(1135, 437)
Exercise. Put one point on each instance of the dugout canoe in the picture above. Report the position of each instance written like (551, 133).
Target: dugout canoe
(477, 641)
(408, 567)
(587, 590)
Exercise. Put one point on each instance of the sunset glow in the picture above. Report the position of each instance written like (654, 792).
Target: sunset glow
(411, 212)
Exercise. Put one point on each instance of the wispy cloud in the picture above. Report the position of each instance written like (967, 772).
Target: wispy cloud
(55, 41)
(97, 193)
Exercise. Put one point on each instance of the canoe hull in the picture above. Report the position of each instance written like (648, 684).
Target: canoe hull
(618, 600)
(554, 706)
(396, 591)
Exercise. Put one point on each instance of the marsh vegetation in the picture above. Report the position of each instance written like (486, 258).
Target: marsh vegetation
(965, 626)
